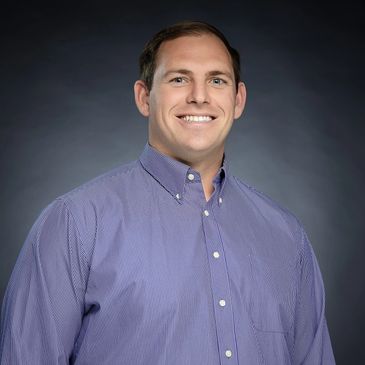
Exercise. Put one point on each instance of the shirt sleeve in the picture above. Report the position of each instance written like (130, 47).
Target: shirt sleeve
(312, 345)
(43, 304)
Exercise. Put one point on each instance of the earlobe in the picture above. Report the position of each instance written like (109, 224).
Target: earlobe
(141, 97)
(240, 100)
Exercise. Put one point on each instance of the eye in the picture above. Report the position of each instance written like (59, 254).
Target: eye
(218, 81)
(178, 80)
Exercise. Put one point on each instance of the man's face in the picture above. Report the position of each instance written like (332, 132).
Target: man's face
(193, 100)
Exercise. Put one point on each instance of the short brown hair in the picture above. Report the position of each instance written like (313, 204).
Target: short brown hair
(147, 60)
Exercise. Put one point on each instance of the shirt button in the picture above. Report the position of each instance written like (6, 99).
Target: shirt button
(206, 213)
(220, 200)
(191, 177)
(216, 254)
(228, 353)
(222, 302)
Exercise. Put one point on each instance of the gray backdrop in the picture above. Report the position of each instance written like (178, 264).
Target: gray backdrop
(68, 114)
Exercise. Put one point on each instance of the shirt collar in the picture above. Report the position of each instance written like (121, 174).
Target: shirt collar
(172, 174)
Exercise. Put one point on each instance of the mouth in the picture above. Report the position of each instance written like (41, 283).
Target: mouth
(190, 118)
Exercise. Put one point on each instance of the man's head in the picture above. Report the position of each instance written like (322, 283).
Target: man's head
(190, 90)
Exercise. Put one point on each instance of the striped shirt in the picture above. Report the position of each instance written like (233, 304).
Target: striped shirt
(137, 268)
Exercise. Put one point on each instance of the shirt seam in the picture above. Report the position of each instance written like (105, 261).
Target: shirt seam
(82, 244)
(102, 179)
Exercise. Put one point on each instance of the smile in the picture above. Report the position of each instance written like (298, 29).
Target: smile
(197, 118)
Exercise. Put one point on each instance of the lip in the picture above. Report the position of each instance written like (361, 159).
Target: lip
(194, 125)
(197, 115)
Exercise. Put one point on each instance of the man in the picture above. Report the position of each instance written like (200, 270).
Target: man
(170, 259)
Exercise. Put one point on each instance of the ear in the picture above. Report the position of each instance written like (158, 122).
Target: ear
(240, 100)
(141, 97)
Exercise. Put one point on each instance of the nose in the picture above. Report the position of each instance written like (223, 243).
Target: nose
(198, 93)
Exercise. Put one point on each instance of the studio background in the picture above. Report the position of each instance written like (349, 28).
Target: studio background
(68, 115)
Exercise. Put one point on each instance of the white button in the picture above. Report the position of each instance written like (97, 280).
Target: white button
(216, 254)
(191, 177)
(228, 353)
(206, 213)
(222, 302)
(220, 200)
(177, 196)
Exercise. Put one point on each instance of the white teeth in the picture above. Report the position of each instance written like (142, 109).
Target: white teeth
(197, 118)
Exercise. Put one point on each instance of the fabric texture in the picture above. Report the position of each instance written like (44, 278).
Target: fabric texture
(136, 267)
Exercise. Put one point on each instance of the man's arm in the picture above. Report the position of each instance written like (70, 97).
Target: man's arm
(312, 342)
(43, 305)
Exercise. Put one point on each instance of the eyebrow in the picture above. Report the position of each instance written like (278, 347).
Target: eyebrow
(179, 71)
(189, 73)
(220, 73)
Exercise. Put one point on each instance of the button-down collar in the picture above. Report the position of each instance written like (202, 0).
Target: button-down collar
(173, 174)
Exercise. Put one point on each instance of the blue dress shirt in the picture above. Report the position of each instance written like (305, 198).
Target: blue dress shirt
(137, 268)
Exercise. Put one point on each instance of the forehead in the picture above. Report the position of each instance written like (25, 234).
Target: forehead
(204, 50)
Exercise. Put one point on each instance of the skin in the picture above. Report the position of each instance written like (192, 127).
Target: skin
(193, 76)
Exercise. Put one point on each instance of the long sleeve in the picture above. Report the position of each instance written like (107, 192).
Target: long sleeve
(312, 342)
(43, 304)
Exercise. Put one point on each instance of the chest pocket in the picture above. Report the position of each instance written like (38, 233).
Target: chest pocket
(272, 297)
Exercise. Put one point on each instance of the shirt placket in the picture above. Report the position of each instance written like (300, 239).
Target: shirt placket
(220, 284)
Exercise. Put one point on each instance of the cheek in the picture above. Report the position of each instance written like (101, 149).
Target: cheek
(168, 98)
(226, 99)
(162, 107)
(228, 106)
(156, 107)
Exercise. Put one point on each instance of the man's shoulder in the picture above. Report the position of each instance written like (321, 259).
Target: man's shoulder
(96, 194)
(102, 187)
(260, 198)
(104, 184)
(86, 204)
(267, 209)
